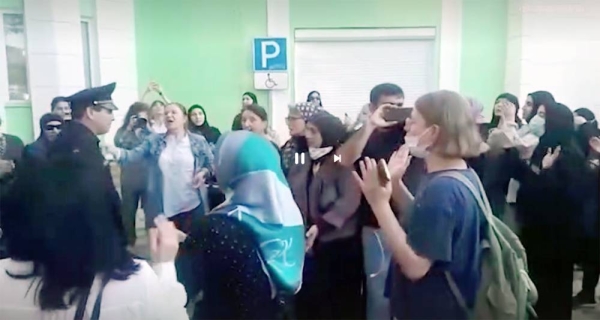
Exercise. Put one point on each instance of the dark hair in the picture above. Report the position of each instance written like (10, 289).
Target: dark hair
(584, 133)
(259, 111)
(311, 93)
(73, 257)
(38, 221)
(135, 109)
(539, 98)
(385, 89)
(586, 113)
(252, 96)
(512, 99)
(332, 130)
(559, 131)
(56, 100)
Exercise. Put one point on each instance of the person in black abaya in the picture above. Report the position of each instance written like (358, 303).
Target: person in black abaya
(548, 204)
(534, 101)
(198, 123)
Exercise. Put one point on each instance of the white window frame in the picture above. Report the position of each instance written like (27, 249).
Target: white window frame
(93, 50)
(4, 92)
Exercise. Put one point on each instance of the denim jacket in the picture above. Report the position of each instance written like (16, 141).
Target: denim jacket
(150, 150)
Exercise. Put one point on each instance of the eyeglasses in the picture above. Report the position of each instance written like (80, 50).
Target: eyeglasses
(53, 127)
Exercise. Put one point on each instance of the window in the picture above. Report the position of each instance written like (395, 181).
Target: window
(87, 61)
(16, 56)
(344, 65)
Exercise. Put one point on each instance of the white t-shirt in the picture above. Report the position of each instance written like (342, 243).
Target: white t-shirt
(176, 163)
(147, 295)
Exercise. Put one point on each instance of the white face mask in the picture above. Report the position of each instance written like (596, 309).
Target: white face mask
(412, 142)
(537, 125)
(318, 153)
(579, 120)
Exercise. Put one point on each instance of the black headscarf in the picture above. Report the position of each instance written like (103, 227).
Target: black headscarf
(39, 148)
(210, 134)
(311, 93)
(559, 131)
(332, 130)
(539, 98)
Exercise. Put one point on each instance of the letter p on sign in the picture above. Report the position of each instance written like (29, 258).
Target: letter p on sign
(266, 55)
(270, 54)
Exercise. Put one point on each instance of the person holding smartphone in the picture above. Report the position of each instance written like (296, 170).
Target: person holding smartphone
(134, 175)
(382, 133)
(442, 232)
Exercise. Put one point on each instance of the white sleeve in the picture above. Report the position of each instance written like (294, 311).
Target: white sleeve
(166, 297)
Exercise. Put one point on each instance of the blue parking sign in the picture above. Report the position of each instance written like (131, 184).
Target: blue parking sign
(270, 54)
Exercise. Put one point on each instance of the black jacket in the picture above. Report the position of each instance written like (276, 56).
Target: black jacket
(77, 168)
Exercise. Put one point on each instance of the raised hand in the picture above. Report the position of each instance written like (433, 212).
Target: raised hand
(399, 162)
(550, 158)
(377, 120)
(375, 191)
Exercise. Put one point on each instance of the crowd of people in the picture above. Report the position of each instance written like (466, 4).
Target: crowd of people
(393, 215)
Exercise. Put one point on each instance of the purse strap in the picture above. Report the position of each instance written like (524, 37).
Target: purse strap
(81, 305)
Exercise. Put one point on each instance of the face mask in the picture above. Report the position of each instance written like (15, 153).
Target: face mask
(412, 142)
(318, 153)
(537, 126)
(579, 120)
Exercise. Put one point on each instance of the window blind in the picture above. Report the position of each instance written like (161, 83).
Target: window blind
(344, 72)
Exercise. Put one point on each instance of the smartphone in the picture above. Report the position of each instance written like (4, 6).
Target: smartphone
(397, 114)
(384, 173)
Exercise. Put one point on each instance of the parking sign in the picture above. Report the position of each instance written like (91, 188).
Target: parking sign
(270, 54)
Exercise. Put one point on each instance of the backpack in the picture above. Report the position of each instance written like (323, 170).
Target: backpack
(505, 290)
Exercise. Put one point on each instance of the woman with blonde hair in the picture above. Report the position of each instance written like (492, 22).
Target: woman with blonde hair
(441, 235)
(179, 162)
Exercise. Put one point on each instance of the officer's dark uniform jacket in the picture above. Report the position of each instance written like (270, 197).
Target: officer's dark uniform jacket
(76, 164)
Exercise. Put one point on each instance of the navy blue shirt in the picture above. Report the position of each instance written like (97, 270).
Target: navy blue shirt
(444, 227)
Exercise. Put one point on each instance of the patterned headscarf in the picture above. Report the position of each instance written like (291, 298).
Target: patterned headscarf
(305, 109)
(245, 160)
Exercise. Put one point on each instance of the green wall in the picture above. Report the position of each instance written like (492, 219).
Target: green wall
(200, 51)
(11, 4)
(484, 42)
(18, 122)
(87, 8)
(17, 116)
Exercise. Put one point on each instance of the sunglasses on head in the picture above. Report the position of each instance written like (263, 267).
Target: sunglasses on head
(53, 127)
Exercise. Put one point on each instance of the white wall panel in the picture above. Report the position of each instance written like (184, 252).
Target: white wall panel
(559, 46)
(55, 53)
(45, 37)
(115, 23)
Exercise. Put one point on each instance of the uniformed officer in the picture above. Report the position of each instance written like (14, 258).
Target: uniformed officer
(76, 160)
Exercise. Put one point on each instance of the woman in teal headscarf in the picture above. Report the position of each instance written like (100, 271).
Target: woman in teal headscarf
(250, 248)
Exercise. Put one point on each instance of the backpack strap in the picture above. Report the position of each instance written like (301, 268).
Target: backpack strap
(457, 294)
(485, 207)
